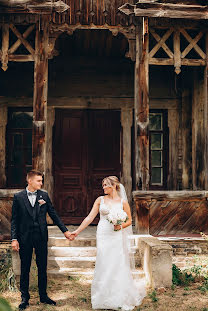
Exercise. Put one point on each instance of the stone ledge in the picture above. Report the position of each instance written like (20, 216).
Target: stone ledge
(156, 257)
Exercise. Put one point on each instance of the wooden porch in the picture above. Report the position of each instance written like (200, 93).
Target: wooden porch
(154, 42)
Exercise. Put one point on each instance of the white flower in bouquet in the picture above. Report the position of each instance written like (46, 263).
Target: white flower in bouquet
(117, 217)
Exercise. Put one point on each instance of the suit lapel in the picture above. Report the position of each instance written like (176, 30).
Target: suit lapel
(27, 203)
(37, 205)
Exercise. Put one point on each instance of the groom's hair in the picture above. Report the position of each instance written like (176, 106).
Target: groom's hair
(33, 173)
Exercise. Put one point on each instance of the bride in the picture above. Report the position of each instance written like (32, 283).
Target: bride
(113, 286)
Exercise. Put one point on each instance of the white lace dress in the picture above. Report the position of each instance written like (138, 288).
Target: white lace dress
(113, 286)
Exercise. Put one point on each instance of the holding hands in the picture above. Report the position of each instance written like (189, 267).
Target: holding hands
(71, 235)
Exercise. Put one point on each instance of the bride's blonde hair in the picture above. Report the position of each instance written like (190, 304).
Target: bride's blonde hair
(111, 181)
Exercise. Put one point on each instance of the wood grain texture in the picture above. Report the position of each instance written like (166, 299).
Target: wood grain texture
(171, 10)
(171, 212)
(40, 99)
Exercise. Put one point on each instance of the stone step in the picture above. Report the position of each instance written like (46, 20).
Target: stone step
(70, 262)
(78, 242)
(88, 273)
(68, 251)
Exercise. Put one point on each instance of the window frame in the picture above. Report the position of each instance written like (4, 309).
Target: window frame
(165, 149)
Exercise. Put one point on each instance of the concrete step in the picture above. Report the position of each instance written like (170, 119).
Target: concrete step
(57, 251)
(70, 262)
(78, 242)
(88, 273)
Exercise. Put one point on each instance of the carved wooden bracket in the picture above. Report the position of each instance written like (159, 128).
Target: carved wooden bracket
(177, 56)
(130, 34)
(7, 52)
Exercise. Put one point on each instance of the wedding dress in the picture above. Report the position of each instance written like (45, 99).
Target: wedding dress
(113, 286)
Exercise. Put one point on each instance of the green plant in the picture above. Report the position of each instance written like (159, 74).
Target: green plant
(204, 287)
(4, 305)
(181, 278)
(153, 296)
(6, 272)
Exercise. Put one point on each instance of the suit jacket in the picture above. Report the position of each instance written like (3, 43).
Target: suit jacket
(22, 222)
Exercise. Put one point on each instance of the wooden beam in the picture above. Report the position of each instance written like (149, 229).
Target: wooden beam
(183, 195)
(199, 129)
(164, 46)
(186, 134)
(161, 61)
(3, 125)
(22, 39)
(15, 46)
(5, 46)
(143, 110)
(142, 216)
(161, 43)
(169, 10)
(196, 47)
(206, 110)
(21, 58)
(177, 51)
(169, 62)
(192, 44)
(136, 172)
(40, 99)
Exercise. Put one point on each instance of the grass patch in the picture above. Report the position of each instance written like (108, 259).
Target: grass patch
(6, 273)
(153, 296)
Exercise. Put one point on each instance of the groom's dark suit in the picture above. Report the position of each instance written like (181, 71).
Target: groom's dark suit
(29, 227)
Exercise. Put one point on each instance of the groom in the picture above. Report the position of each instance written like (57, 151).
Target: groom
(29, 231)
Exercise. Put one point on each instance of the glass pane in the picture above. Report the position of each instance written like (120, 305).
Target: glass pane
(156, 175)
(21, 119)
(155, 120)
(156, 158)
(156, 141)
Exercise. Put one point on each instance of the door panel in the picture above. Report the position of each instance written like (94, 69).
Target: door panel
(104, 149)
(86, 149)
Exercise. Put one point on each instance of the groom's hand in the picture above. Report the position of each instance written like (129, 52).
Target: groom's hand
(15, 245)
(73, 235)
(67, 235)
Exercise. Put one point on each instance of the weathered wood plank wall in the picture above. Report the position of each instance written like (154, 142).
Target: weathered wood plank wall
(171, 212)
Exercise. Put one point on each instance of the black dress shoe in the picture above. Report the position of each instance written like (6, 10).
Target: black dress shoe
(48, 301)
(24, 304)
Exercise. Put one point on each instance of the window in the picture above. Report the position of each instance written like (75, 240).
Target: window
(158, 148)
(19, 146)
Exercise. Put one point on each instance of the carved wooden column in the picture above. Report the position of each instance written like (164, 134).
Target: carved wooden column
(173, 124)
(3, 123)
(40, 98)
(48, 183)
(142, 104)
(126, 122)
(199, 129)
(206, 113)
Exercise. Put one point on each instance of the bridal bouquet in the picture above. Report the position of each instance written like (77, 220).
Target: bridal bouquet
(117, 217)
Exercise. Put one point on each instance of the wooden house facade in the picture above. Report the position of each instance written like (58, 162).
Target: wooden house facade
(91, 88)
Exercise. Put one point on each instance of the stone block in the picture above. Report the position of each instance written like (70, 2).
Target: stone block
(156, 257)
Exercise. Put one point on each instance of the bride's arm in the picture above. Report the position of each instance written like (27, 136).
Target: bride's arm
(126, 209)
(91, 216)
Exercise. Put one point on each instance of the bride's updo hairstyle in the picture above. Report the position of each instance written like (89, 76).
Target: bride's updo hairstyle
(111, 181)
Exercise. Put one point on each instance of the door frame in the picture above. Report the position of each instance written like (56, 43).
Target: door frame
(125, 145)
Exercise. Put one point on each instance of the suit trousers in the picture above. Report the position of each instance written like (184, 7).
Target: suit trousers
(41, 251)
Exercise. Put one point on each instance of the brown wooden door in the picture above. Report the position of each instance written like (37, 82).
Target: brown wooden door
(86, 149)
